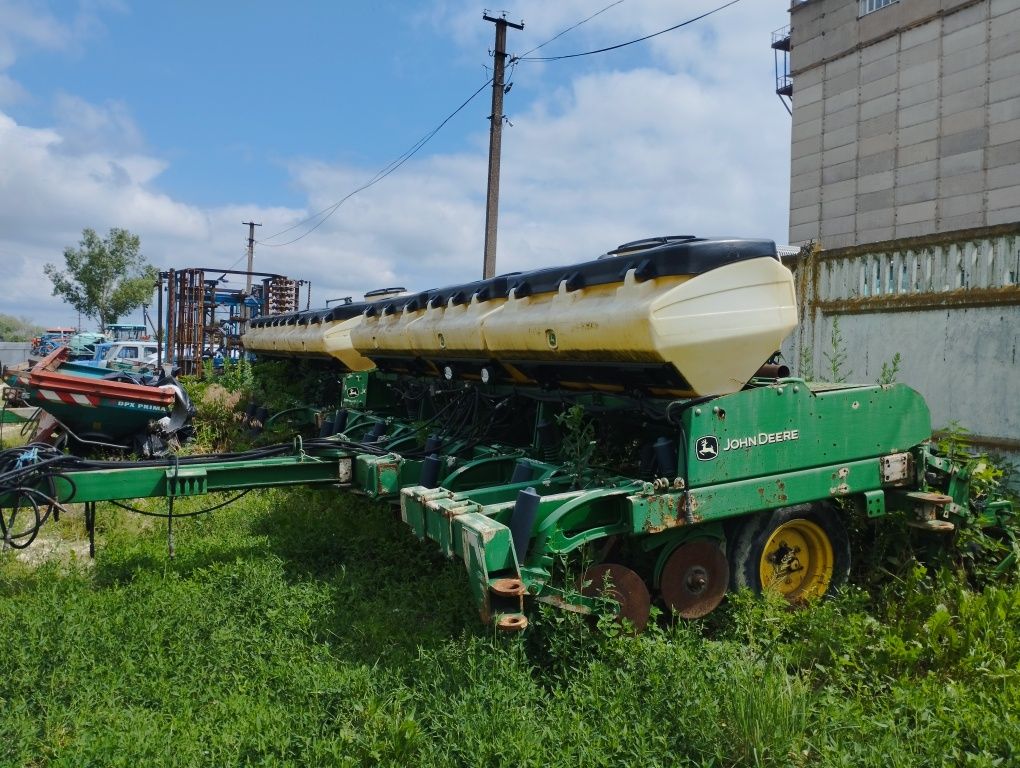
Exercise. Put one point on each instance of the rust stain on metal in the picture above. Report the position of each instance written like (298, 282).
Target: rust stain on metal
(451, 512)
(910, 243)
(508, 587)
(905, 302)
(381, 468)
(559, 602)
(488, 535)
(512, 622)
(931, 498)
(664, 523)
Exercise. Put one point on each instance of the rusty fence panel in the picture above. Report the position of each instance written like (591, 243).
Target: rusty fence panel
(949, 304)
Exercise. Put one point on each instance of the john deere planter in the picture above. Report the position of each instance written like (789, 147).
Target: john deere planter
(600, 436)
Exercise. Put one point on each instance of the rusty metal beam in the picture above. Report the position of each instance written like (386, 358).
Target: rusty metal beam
(908, 243)
(961, 298)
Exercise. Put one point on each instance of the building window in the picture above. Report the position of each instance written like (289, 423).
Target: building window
(864, 7)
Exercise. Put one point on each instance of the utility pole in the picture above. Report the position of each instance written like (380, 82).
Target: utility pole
(495, 140)
(245, 313)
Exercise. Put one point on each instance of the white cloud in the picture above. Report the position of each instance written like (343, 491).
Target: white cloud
(11, 91)
(48, 195)
(28, 23)
(85, 127)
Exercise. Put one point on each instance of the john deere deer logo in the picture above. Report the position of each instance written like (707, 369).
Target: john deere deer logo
(708, 448)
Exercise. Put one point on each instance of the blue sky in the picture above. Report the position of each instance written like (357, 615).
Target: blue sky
(180, 120)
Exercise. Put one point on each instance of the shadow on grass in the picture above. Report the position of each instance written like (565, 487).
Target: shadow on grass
(381, 595)
(391, 594)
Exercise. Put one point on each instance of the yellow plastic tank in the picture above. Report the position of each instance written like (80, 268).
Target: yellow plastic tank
(384, 330)
(253, 333)
(286, 340)
(336, 342)
(264, 334)
(310, 334)
(451, 326)
(714, 329)
(673, 316)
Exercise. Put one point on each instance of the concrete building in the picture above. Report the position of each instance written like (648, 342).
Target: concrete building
(906, 119)
(905, 172)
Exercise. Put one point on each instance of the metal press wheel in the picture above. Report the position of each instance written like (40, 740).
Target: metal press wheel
(694, 579)
(623, 586)
(799, 552)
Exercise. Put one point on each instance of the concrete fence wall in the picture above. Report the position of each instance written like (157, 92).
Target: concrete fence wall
(12, 352)
(948, 304)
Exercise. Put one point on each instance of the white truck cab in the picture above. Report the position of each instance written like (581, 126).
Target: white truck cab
(130, 355)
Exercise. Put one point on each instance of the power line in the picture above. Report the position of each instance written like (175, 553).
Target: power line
(568, 29)
(325, 213)
(629, 42)
(328, 211)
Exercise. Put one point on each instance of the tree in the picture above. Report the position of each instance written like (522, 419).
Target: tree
(17, 328)
(106, 277)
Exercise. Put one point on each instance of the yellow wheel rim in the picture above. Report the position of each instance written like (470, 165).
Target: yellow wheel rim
(797, 561)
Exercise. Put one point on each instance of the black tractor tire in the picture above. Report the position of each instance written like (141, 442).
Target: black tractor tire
(824, 546)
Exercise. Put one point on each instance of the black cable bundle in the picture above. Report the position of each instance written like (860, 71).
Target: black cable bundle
(28, 478)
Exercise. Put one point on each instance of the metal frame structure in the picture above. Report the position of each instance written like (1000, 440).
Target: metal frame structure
(194, 318)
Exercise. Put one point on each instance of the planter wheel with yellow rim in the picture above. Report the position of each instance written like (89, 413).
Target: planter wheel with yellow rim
(799, 552)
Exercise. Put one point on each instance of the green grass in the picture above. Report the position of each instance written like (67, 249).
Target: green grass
(309, 628)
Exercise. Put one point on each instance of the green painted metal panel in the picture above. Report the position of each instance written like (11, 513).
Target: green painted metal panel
(140, 482)
(412, 509)
(486, 542)
(657, 512)
(483, 472)
(507, 493)
(355, 390)
(15, 415)
(378, 476)
(786, 427)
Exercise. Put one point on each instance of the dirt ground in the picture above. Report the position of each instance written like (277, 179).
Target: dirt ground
(11, 435)
(49, 546)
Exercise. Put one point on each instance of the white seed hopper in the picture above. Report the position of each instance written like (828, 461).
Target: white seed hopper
(678, 316)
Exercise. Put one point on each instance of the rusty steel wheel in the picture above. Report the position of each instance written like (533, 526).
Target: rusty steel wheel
(622, 585)
(695, 579)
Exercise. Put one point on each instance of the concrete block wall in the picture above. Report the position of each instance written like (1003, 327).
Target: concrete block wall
(906, 122)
